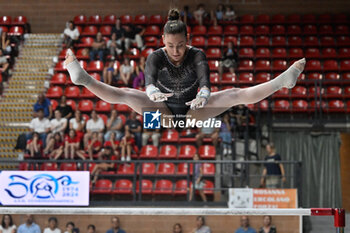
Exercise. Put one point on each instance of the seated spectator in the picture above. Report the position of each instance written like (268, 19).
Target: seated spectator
(35, 146)
(225, 133)
(105, 154)
(267, 227)
(126, 71)
(29, 226)
(72, 145)
(70, 228)
(134, 126)
(114, 143)
(218, 14)
(94, 145)
(94, 124)
(4, 66)
(7, 225)
(91, 228)
(120, 32)
(115, 47)
(139, 79)
(177, 228)
(115, 226)
(54, 149)
(114, 125)
(200, 14)
(5, 43)
(127, 145)
(71, 35)
(65, 109)
(230, 14)
(199, 182)
(154, 134)
(110, 75)
(40, 125)
(207, 132)
(229, 60)
(186, 15)
(241, 114)
(45, 104)
(245, 228)
(78, 124)
(201, 227)
(57, 125)
(98, 48)
(133, 35)
(52, 226)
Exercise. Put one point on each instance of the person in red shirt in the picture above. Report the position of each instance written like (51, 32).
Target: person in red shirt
(94, 145)
(114, 143)
(54, 149)
(127, 144)
(72, 145)
(105, 154)
(34, 146)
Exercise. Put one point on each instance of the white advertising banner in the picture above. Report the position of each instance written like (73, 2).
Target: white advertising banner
(44, 188)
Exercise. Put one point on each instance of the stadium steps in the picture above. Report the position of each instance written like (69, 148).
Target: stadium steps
(29, 77)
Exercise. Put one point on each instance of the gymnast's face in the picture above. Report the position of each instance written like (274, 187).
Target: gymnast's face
(175, 45)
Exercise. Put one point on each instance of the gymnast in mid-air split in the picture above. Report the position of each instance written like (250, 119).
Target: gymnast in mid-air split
(177, 80)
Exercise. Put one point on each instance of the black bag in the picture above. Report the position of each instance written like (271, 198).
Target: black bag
(21, 142)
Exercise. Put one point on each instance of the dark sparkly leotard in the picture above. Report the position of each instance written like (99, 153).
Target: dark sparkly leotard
(182, 80)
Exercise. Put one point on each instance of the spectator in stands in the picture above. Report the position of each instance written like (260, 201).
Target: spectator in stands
(40, 125)
(133, 35)
(218, 14)
(5, 43)
(72, 145)
(115, 47)
(139, 79)
(114, 143)
(94, 145)
(52, 226)
(110, 75)
(94, 124)
(207, 132)
(229, 60)
(154, 134)
(45, 104)
(7, 225)
(177, 228)
(54, 149)
(57, 125)
(98, 48)
(267, 227)
(105, 154)
(120, 32)
(91, 228)
(230, 14)
(200, 13)
(115, 226)
(35, 146)
(127, 145)
(114, 125)
(186, 15)
(245, 228)
(78, 124)
(240, 114)
(134, 126)
(225, 133)
(273, 172)
(29, 226)
(4, 65)
(198, 178)
(126, 71)
(65, 109)
(71, 35)
(70, 228)
(201, 227)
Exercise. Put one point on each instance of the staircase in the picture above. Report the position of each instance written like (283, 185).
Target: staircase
(29, 78)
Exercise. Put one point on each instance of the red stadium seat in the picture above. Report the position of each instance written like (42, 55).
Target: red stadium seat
(58, 79)
(346, 77)
(310, 29)
(215, 31)
(333, 92)
(262, 65)
(246, 65)
(80, 20)
(199, 30)
(315, 92)
(166, 169)
(246, 41)
(72, 92)
(72, 104)
(214, 41)
(213, 53)
(68, 167)
(95, 66)
(326, 30)
(5, 20)
(134, 53)
(309, 18)
(182, 169)
(54, 92)
(121, 107)
(163, 187)
(295, 41)
(208, 169)
(262, 41)
(213, 65)
(343, 41)
(299, 92)
(187, 152)
(311, 41)
(167, 152)
(102, 186)
(324, 18)
(104, 117)
(146, 187)
(341, 30)
(232, 39)
(279, 41)
(231, 30)
(327, 41)
(89, 31)
(19, 20)
(126, 19)
(263, 105)
(329, 53)
(85, 106)
(300, 105)
(208, 188)
(314, 76)
(331, 77)
(246, 53)
(48, 166)
(150, 41)
(340, 18)
(229, 78)
(262, 19)
(312, 53)
(320, 105)
(16, 31)
(207, 152)
(294, 30)
(344, 53)
(54, 104)
(336, 106)
(279, 65)
(85, 93)
(246, 30)
(330, 65)
(106, 30)
(263, 77)
(148, 168)
(152, 30)
(262, 30)
(293, 19)
(156, 19)
(281, 106)
(85, 42)
(198, 41)
(278, 19)
(126, 169)
(102, 106)
(4, 28)
(140, 20)
(246, 77)
(110, 19)
(181, 187)
(59, 66)
(149, 152)
(296, 53)
(214, 78)
(347, 92)
(247, 19)
(313, 65)
(122, 186)
(95, 20)
(170, 135)
(278, 30)
(281, 93)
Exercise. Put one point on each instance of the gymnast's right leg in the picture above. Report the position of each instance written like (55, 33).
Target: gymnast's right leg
(135, 99)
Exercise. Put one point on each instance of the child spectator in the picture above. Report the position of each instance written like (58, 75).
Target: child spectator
(127, 144)
(94, 124)
(78, 124)
(72, 145)
(55, 147)
(139, 79)
(94, 145)
(114, 143)
(126, 71)
(52, 226)
(230, 14)
(105, 154)
(225, 133)
(198, 177)
(34, 146)
(110, 75)
(229, 60)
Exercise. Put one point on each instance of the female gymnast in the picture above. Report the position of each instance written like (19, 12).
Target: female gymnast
(173, 76)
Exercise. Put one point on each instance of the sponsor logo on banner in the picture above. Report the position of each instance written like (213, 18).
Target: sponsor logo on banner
(49, 188)
(263, 198)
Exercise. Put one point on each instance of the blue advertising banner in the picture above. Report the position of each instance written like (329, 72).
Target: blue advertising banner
(44, 188)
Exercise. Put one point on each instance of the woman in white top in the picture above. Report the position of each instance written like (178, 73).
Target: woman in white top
(78, 124)
(230, 14)
(7, 225)
(71, 35)
(126, 70)
(52, 226)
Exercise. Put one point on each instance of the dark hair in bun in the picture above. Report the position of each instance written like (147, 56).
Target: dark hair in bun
(174, 24)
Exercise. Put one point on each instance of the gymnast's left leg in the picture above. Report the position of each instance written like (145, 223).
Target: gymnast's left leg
(220, 101)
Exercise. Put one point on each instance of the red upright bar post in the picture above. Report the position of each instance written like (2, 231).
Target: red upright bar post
(339, 220)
